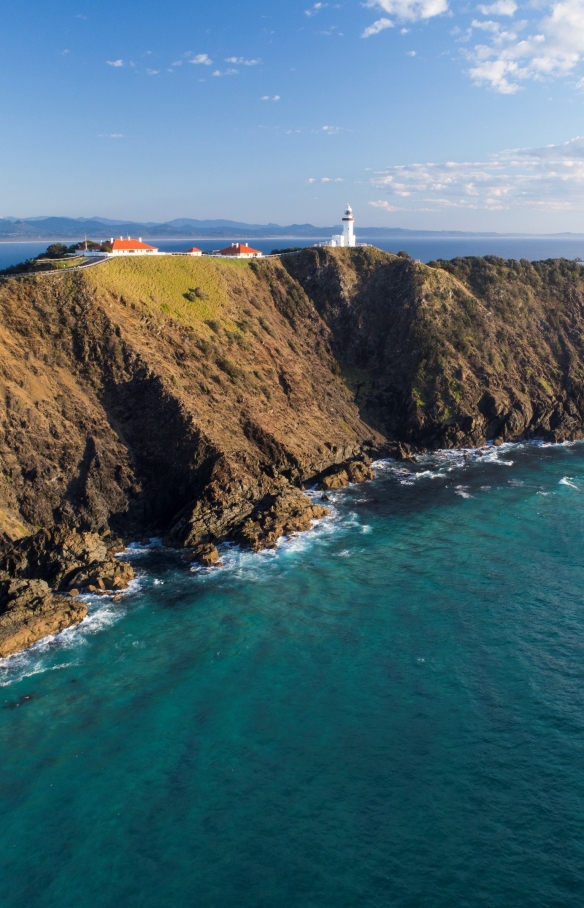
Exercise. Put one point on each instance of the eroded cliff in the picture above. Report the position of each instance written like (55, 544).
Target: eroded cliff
(193, 398)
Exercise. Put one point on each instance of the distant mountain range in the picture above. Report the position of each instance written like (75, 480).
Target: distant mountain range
(96, 228)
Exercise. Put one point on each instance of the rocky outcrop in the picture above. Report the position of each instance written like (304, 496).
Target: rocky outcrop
(206, 554)
(342, 474)
(68, 560)
(30, 611)
(41, 577)
(276, 516)
(456, 353)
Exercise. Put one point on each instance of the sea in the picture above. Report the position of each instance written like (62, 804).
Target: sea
(386, 711)
(532, 248)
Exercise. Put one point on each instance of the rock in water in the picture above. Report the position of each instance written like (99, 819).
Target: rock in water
(29, 611)
(342, 474)
(70, 562)
(206, 554)
(279, 515)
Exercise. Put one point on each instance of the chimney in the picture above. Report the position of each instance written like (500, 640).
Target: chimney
(112, 240)
(139, 239)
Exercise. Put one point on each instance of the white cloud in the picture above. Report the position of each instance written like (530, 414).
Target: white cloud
(226, 72)
(385, 205)
(548, 42)
(270, 98)
(111, 135)
(410, 10)
(153, 72)
(554, 48)
(115, 62)
(241, 61)
(550, 178)
(377, 27)
(325, 180)
(315, 9)
(411, 53)
(500, 8)
(331, 130)
(201, 59)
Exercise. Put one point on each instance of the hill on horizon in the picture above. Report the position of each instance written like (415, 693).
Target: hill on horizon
(52, 227)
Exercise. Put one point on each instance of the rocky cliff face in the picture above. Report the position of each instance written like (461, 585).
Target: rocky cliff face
(193, 398)
(455, 353)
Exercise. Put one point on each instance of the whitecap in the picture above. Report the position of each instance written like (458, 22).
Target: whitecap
(567, 481)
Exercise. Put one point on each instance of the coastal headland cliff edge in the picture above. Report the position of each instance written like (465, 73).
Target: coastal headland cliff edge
(194, 399)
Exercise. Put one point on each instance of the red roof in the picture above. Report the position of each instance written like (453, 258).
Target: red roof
(130, 244)
(239, 249)
(194, 249)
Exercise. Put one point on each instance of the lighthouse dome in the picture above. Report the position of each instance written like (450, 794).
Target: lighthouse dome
(349, 210)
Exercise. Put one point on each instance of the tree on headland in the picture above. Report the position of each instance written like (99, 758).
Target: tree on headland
(55, 251)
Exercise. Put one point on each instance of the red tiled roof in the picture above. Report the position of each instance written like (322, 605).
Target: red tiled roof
(239, 249)
(193, 249)
(130, 244)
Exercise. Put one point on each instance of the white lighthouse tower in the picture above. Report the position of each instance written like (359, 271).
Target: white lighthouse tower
(348, 222)
(347, 237)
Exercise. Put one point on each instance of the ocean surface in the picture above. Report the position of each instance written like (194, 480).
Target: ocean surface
(386, 711)
(531, 248)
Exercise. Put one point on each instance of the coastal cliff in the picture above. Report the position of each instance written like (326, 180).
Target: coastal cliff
(195, 398)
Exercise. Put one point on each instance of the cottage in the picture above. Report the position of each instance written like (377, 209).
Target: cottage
(194, 251)
(129, 247)
(240, 251)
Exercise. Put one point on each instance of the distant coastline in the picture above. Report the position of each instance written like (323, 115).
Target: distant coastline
(14, 230)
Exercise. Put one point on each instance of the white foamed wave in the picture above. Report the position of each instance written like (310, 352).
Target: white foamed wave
(138, 549)
(438, 464)
(103, 612)
(568, 481)
(252, 566)
(24, 665)
(463, 492)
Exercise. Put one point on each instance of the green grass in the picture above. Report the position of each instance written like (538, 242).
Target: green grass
(159, 284)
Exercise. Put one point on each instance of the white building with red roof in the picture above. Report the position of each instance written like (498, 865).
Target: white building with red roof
(240, 251)
(194, 251)
(129, 246)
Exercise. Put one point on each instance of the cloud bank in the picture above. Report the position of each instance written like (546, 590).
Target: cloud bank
(550, 178)
(503, 52)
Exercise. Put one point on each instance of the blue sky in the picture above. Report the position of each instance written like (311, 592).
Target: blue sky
(421, 113)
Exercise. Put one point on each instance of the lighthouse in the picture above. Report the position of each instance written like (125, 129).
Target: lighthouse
(347, 237)
(348, 222)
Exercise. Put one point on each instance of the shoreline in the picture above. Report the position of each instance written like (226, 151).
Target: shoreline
(134, 550)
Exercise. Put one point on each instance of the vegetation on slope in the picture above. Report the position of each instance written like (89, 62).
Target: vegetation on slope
(120, 410)
(454, 353)
(129, 400)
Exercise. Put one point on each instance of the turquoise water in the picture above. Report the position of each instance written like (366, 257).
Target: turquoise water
(388, 711)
